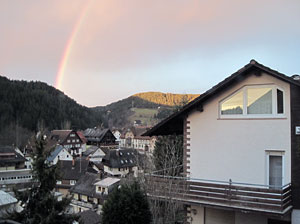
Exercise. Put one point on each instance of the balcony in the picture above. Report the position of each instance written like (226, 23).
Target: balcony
(263, 199)
(84, 204)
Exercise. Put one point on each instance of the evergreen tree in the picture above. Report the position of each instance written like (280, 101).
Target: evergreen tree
(127, 205)
(39, 203)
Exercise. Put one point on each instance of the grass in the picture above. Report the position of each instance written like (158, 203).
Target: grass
(145, 115)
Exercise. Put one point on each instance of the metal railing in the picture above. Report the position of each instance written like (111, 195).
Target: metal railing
(242, 196)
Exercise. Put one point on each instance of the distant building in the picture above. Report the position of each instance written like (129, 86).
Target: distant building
(117, 135)
(132, 139)
(94, 154)
(69, 139)
(120, 162)
(137, 123)
(59, 153)
(100, 137)
(70, 172)
(12, 169)
(90, 192)
(7, 203)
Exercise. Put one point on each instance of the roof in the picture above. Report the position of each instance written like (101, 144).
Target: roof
(174, 123)
(85, 185)
(54, 153)
(108, 181)
(119, 158)
(89, 217)
(68, 172)
(97, 134)
(10, 155)
(6, 199)
(81, 136)
(60, 134)
(90, 150)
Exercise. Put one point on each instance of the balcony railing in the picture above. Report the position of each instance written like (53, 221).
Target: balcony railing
(85, 204)
(230, 195)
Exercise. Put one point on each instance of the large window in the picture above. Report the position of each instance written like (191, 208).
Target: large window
(250, 101)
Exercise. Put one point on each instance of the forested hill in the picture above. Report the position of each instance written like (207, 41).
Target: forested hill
(167, 99)
(122, 112)
(28, 105)
(25, 107)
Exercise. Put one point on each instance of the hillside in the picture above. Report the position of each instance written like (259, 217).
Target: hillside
(166, 99)
(149, 107)
(26, 106)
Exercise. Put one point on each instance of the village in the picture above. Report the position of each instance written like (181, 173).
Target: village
(92, 162)
(240, 163)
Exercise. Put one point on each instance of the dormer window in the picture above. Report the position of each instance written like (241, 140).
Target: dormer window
(254, 101)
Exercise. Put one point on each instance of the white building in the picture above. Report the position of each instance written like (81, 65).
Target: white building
(241, 149)
(59, 153)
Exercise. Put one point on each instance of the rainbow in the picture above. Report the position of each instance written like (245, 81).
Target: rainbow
(68, 48)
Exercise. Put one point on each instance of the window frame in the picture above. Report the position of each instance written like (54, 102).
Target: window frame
(245, 114)
(275, 153)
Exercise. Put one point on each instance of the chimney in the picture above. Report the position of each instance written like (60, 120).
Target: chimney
(73, 163)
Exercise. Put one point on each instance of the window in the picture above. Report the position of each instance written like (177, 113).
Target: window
(275, 168)
(253, 101)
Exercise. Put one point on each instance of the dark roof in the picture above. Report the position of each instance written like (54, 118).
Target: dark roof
(92, 149)
(119, 158)
(81, 136)
(60, 135)
(54, 153)
(85, 185)
(89, 217)
(96, 135)
(68, 172)
(9, 155)
(174, 123)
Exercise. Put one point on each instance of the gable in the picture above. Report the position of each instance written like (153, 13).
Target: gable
(174, 123)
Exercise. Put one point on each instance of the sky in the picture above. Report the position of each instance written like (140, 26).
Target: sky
(101, 51)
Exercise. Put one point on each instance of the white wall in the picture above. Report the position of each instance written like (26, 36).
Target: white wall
(223, 149)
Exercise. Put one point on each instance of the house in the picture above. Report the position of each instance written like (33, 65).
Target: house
(117, 135)
(241, 149)
(94, 154)
(106, 185)
(89, 193)
(70, 172)
(59, 153)
(7, 204)
(100, 137)
(69, 139)
(132, 139)
(120, 162)
(13, 173)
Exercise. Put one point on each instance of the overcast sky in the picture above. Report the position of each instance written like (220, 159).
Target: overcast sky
(122, 47)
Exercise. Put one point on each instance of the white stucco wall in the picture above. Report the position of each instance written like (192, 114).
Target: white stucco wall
(223, 149)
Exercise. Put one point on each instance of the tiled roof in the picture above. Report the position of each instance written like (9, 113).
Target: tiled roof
(15, 156)
(81, 136)
(54, 153)
(119, 158)
(68, 172)
(60, 134)
(89, 217)
(85, 185)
